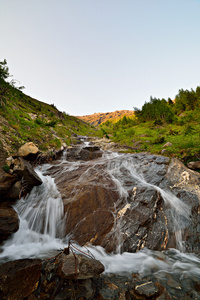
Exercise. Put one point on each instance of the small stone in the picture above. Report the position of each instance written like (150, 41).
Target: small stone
(147, 289)
(163, 151)
(168, 144)
(194, 165)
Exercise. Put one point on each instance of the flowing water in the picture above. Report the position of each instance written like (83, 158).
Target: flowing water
(42, 220)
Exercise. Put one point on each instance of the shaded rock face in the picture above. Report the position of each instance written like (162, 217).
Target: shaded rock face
(83, 153)
(195, 165)
(19, 278)
(6, 182)
(23, 169)
(9, 221)
(121, 203)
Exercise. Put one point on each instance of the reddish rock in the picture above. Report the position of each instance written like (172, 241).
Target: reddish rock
(78, 267)
(88, 202)
(19, 278)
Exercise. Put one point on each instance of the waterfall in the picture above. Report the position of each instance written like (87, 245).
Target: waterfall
(42, 221)
(124, 167)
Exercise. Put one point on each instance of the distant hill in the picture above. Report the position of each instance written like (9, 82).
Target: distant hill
(99, 118)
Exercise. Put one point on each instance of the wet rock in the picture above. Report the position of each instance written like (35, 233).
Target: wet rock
(6, 182)
(28, 151)
(86, 153)
(147, 289)
(88, 202)
(23, 169)
(78, 267)
(14, 192)
(194, 165)
(9, 221)
(121, 203)
(19, 278)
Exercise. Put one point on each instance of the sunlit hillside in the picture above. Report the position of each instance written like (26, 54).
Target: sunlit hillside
(99, 118)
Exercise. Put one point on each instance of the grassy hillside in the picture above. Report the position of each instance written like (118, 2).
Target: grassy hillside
(24, 119)
(99, 118)
(183, 132)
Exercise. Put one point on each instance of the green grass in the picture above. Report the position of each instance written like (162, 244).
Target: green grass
(24, 119)
(183, 134)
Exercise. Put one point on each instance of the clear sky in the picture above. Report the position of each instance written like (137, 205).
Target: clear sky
(88, 56)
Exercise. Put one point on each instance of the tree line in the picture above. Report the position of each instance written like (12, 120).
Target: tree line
(161, 110)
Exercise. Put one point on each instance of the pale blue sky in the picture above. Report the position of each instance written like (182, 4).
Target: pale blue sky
(89, 56)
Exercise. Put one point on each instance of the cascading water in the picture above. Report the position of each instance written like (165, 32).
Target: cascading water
(129, 166)
(42, 222)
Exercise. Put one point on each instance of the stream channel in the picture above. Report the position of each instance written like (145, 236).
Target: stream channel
(42, 225)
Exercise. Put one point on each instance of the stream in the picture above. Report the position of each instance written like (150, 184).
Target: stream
(42, 223)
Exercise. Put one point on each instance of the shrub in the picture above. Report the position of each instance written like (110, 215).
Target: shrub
(39, 121)
(158, 122)
(159, 140)
(6, 168)
(188, 129)
(51, 123)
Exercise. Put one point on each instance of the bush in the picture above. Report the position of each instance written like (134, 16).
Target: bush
(6, 168)
(189, 129)
(39, 121)
(159, 140)
(51, 123)
(158, 122)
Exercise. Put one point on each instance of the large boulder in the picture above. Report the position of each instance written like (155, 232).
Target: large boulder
(19, 278)
(78, 267)
(121, 204)
(28, 151)
(89, 198)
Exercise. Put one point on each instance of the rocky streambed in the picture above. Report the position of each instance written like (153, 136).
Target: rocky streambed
(138, 214)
